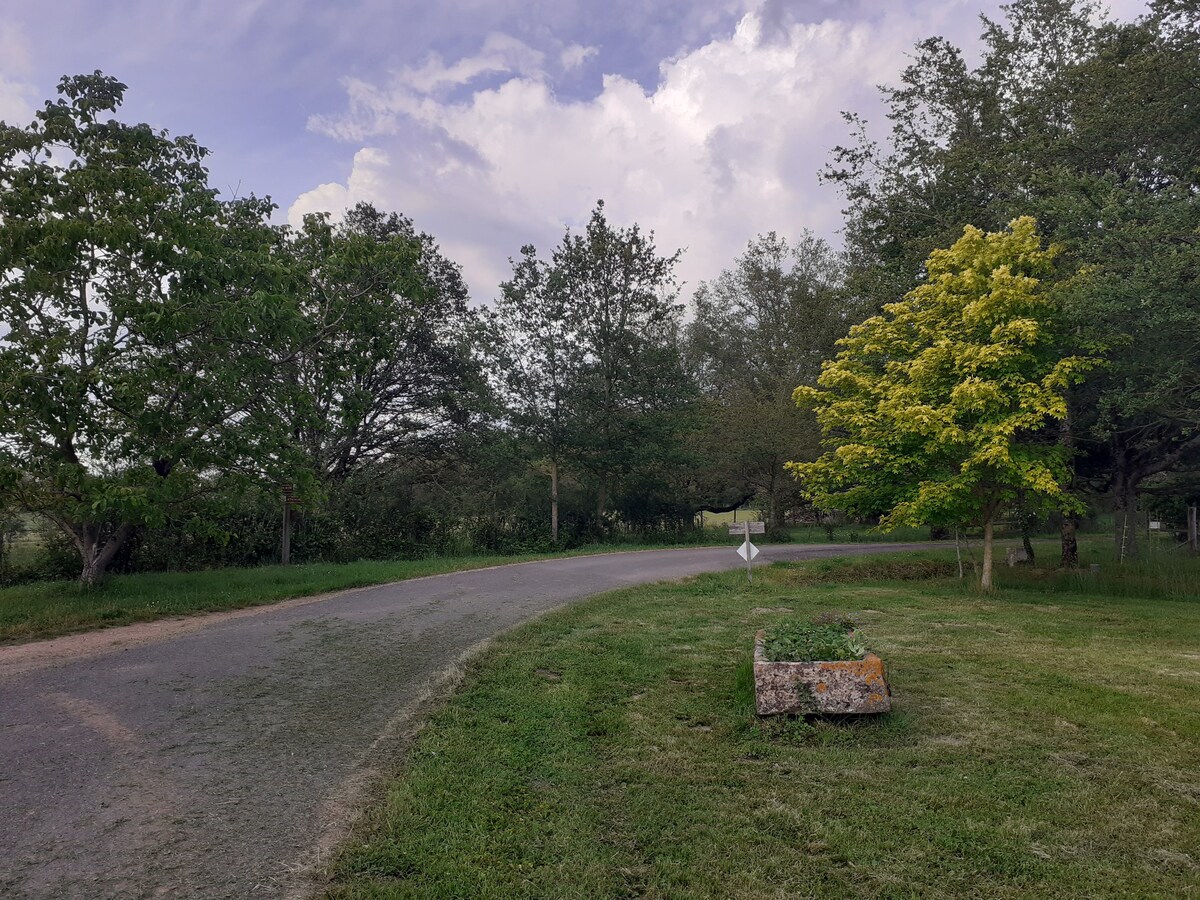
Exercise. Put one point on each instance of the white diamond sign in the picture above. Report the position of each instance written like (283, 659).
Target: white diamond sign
(747, 551)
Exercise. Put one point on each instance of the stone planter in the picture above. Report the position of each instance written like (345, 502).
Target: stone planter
(844, 687)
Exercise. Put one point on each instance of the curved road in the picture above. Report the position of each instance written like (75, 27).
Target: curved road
(220, 756)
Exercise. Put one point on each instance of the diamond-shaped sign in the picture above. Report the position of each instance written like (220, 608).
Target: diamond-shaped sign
(747, 551)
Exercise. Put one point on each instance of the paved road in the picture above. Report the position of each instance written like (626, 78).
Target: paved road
(218, 757)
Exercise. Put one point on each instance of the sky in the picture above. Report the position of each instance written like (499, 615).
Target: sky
(498, 123)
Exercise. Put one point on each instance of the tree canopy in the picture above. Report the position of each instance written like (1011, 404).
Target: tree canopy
(1092, 128)
(937, 409)
(142, 318)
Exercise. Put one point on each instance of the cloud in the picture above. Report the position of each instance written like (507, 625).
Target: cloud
(726, 145)
(367, 180)
(17, 95)
(575, 55)
(500, 54)
(16, 101)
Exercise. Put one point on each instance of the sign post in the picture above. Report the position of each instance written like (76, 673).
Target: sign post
(748, 551)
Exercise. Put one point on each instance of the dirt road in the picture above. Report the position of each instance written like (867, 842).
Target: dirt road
(221, 756)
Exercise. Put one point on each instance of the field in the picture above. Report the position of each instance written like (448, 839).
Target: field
(1043, 744)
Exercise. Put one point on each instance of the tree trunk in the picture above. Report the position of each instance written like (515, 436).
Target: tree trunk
(1068, 523)
(97, 553)
(554, 500)
(1026, 542)
(985, 579)
(1126, 536)
(1070, 546)
(602, 498)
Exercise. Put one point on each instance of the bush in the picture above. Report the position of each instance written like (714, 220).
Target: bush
(812, 642)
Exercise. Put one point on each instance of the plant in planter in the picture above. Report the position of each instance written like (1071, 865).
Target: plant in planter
(821, 667)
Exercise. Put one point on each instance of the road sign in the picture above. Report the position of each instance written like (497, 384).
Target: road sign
(748, 551)
(754, 528)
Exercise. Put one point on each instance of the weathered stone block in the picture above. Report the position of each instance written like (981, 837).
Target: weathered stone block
(835, 687)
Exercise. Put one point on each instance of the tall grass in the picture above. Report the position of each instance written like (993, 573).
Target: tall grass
(1163, 571)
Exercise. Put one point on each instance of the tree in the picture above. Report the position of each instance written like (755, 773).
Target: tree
(1093, 128)
(761, 328)
(587, 356)
(537, 358)
(632, 389)
(938, 411)
(140, 314)
(384, 370)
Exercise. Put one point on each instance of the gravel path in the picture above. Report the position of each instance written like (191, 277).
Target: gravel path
(221, 756)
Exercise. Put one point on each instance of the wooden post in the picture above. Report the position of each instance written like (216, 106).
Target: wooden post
(749, 556)
(286, 543)
(1192, 537)
(554, 500)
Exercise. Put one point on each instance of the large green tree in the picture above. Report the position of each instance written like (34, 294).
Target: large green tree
(384, 371)
(632, 392)
(587, 357)
(1093, 128)
(760, 329)
(140, 313)
(938, 410)
(537, 358)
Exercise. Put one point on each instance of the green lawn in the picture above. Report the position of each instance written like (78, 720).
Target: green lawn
(1044, 743)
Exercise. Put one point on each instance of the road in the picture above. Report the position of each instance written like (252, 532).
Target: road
(222, 756)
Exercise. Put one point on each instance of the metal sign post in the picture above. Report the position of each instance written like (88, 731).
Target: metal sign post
(748, 551)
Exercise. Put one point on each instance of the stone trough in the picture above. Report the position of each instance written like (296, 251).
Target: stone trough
(843, 687)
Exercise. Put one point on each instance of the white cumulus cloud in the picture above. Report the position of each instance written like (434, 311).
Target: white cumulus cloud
(728, 144)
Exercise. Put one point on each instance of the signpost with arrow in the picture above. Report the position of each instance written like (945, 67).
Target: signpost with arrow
(748, 551)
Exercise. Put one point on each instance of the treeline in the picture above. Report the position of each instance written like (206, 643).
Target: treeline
(171, 360)
(1093, 129)
(172, 364)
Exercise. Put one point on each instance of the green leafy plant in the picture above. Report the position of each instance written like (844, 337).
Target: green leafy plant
(808, 642)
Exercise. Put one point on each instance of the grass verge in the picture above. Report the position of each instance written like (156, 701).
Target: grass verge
(1041, 745)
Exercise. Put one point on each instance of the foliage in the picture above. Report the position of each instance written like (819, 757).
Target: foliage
(586, 357)
(384, 370)
(142, 315)
(810, 642)
(1092, 128)
(936, 411)
(761, 328)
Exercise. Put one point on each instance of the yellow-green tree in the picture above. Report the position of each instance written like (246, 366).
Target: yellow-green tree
(937, 410)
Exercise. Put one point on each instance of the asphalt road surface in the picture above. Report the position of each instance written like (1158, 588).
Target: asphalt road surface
(223, 756)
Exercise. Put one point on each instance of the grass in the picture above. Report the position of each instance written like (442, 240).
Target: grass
(1041, 745)
(49, 608)
(718, 525)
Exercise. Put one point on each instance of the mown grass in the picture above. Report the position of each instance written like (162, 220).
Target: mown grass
(49, 608)
(1041, 745)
